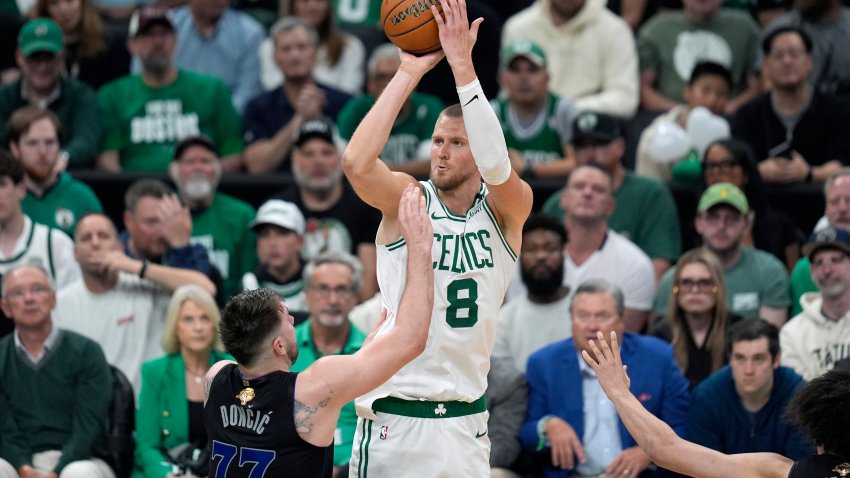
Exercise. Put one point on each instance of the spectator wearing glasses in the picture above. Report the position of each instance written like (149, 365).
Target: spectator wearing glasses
(756, 282)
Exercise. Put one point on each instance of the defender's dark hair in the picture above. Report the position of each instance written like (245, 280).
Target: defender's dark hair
(821, 409)
(247, 322)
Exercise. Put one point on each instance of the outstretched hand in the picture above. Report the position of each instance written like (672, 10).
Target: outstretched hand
(457, 36)
(413, 220)
(608, 365)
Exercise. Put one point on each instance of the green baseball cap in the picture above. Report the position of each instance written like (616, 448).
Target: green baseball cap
(525, 48)
(723, 193)
(40, 34)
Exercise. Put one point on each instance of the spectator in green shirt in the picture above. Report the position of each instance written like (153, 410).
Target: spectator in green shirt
(331, 282)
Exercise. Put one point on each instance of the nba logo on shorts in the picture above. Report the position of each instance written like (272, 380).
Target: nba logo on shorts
(384, 431)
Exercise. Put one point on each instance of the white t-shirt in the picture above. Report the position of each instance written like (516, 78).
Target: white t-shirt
(127, 321)
(618, 261)
(524, 327)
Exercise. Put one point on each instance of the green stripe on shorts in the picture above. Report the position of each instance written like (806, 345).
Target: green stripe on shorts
(426, 409)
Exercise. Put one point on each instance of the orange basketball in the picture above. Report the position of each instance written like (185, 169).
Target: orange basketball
(410, 25)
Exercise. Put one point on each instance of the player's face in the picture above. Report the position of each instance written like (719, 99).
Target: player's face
(94, 236)
(11, 195)
(752, 367)
(697, 292)
(788, 64)
(195, 329)
(155, 47)
(722, 228)
(451, 159)
(145, 227)
(198, 172)
(330, 294)
(28, 297)
(830, 270)
(278, 248)
(38, 150)
(316, 165)
(295, 54)
(592, 313)
(838, 202)
(721, 167)
(709, 91)
(588, 195)
(525, 82)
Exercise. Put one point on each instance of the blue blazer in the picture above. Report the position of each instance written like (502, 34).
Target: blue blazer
(554, 383)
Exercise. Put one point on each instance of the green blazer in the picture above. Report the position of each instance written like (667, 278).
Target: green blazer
(162, 419)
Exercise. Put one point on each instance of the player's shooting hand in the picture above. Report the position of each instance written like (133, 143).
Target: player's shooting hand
(421, 64)
(565, 444)
(608, 365)
(457, 36)
(176, 221)
(628, 464)
(413, 220)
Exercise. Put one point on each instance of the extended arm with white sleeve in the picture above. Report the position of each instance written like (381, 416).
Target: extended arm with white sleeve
(485, 134)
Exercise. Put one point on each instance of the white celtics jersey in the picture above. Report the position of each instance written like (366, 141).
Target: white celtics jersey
(37, 250)
(473, 264)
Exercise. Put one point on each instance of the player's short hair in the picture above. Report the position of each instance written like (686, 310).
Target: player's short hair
(601, 286)
(289, 23)
(452, 111)
(248, 321)
(335, 257)
(820, 408)
(201, 298)
(10, 167)
(22, 120)
(748, 330)
(710, 68)
(146, 187)
(546, 222)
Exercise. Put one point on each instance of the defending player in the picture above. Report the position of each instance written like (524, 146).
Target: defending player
(430, 419)
(820, 407)
(263, 420)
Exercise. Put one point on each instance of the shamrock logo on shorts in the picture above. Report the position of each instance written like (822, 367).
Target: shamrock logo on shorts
(440, 410)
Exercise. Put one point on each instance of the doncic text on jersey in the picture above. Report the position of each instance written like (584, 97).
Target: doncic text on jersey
(247, 417)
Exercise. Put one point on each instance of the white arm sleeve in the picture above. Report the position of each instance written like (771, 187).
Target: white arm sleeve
(485, 134)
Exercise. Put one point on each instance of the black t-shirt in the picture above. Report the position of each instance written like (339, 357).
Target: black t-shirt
(818, 466)
(342, 227)
(261, 432)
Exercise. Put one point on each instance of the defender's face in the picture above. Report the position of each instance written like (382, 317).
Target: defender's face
(451, 158)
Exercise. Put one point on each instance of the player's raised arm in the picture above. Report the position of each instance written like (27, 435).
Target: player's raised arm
(371, 178)
(341, 378)
(659, 441)
(510, 196)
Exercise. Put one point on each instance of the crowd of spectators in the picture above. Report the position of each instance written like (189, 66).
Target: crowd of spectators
(614, 112)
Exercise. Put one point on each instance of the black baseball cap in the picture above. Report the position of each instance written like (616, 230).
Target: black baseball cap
(596, 126)
(194, 140)
(321, 128)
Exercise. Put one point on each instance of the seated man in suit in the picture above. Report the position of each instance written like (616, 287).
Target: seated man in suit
(592, 440)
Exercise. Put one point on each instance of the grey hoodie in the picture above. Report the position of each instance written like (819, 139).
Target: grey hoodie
(812, 343)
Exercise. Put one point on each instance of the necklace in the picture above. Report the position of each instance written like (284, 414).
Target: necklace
(198, 378)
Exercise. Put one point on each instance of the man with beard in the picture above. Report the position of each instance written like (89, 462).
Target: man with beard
(54, 198)
(819, 336)
(159, 229)
(827, 23)
(145, 115)
(756, 281)
(541, 315)
(332, 281)
(220, 222)
(336, 219)
(645, 211)
(797, 133)
(116, 303)
(42, 84)
(434, 410)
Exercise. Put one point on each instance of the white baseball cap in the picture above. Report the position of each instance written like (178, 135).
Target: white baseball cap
(280, 213)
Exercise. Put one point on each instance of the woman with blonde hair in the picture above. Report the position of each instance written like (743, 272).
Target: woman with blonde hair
(171, 402)
(94, 53)
(697, 315)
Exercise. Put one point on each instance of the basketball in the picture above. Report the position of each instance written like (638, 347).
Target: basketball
(410, 25)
